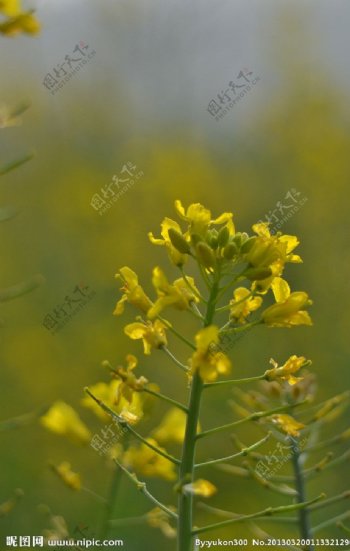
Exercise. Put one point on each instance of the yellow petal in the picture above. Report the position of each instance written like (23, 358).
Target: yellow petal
(207, 336)
(200, 487)
(288, 424)
(280, 289)
(135, 330)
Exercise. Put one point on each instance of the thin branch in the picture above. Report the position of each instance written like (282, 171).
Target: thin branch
(331, 522)
(165, 398)
(179, 336)
(190, 286)
(254, 417)
(175, 360)
(227, 514)
(330, 501)
(141, 486)
(124, 424)
(235, 381)
(266, 512)
(242, 453)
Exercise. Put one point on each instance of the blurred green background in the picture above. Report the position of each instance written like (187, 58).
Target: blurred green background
(143, 98)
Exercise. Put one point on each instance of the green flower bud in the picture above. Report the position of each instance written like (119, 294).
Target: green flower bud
(230, 251)
(223, 236)
(205, 255)
(179, 242)
(254, 274)
(195, 238)
(247, 245)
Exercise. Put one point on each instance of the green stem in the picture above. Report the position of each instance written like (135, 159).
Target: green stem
(304, 521)
(108, 511)
(186, 471)
(166, 399)
(190, 286)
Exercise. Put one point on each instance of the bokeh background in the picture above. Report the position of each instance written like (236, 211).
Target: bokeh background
(143, 98)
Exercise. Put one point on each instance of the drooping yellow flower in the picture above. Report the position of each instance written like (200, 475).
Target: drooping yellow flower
(178, 294)
(288, 310)
(129, 382)
(200, 487)
(132, 292)
(157, 518)
(209, 363)
(148, 462)
(288, 424)
(175, 255)
(152, 334)
(243, 304)
(130, 411)
(22, 23)
(70, 478)
(199, 218)
(63, 419)
(172, 428)
(286, 371)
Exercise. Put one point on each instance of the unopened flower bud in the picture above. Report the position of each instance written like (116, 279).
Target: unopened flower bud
(223, 236)
(205, 255)
(255, 274)
(230, 251)
(247, 245)
(179, 242)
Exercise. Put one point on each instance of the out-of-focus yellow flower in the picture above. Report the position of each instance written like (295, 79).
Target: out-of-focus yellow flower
(209, 363)
(288, 424)
(59, 530)
(22, 23)
(10, 7)
(199, 218)
(176, 257)
(178, 295)
(63, 419)
(286, 371)
(147, 462)
(200, 487)
(172, 428)
(70, 478)
(132, 292)
(152, 334)
(243, 304)
(129, 382)
(157, 518)
(130, 411)
(8, 506)
(288, 310)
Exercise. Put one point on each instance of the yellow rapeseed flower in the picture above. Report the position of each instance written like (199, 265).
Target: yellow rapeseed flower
(288, 310)
(22, 23)
(129, 382)
(70, 478)
(243, 304)
(63, 419)
(10, 7)
(177, 295)
(148, 462)
(209, 363)
(172, 427)
(286, 371)
(288, 424)
(200, 487)
(199, 218)
(157, 518)
(176, 257)
(130, 411)
(152, 334)
(132, 292)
